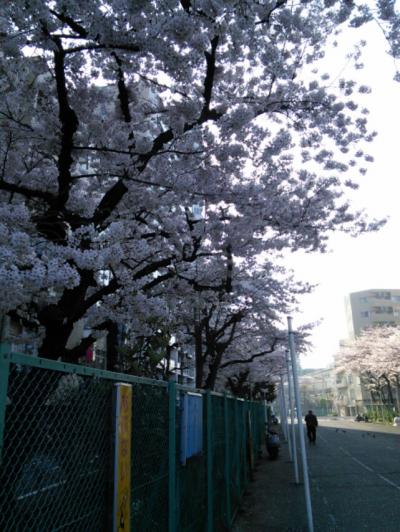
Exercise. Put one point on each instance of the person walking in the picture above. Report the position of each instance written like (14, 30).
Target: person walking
(312, 424)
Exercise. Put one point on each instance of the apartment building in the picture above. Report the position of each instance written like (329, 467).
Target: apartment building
(364, 309)
(350, 396)
(371, 308)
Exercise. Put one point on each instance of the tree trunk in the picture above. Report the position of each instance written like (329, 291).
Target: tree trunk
(397, 393)
(199, 356)
(389, 390)
(216, 357)
(56, 338)
(112, 346)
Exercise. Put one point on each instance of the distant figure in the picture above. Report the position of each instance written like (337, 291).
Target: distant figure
(312, 424)
(274, 419)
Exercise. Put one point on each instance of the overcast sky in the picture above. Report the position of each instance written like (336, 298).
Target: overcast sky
(370, 260)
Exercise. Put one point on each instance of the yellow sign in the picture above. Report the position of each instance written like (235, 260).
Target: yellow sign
(122, 467)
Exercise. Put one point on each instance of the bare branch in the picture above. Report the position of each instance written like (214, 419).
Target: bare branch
(253, 357)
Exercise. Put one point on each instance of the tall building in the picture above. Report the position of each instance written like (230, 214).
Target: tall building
(371, 308)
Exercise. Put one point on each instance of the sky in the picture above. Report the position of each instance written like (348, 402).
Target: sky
(370, 260)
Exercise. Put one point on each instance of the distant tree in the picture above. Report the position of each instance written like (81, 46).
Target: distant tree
(375, 354)
(240, 386)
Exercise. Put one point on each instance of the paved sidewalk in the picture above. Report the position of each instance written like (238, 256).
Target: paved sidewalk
(273, 503)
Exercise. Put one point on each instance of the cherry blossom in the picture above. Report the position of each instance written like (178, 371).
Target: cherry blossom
(118, 117)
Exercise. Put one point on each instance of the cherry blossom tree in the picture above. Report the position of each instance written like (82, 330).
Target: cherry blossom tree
(118, 117)
(375, 353)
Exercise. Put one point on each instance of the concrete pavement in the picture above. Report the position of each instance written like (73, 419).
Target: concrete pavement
(355, 484)
(273, 503)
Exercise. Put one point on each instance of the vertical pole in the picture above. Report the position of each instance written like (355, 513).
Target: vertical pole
(4, 375)
(250, 446)
(210, 491)
(265, 412)
(122, 457)
(281, 413)
(284, 422)
(237, 448)
(300, 426)
(244, 440)
(171, 456)
(227, 464)
(292, 425)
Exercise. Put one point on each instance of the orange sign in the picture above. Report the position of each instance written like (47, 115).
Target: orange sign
(122, 467)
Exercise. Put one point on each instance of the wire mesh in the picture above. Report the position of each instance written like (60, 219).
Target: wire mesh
(191, 481)
(149, 509)
(56, 454)
(219, 492)
(57, 467)
(234, 459)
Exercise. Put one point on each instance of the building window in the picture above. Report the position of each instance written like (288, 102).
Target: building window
(381, 295)
(363, 300)
(396, 298)
(365, 314)
(382, 310)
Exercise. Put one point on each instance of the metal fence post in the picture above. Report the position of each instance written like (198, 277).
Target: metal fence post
(227, 463)
(292, 427)
(296, 390)
(171, 456)
(4, 374)
(210, 487)
(246, 459)
(237, 448)
(260, 408)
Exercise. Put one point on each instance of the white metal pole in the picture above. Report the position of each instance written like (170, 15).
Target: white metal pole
(293, 427)
(307, 492)
(284, 409)
(285, 420)
(283, 412)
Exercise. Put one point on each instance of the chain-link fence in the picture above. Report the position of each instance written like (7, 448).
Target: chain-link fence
(191, 451)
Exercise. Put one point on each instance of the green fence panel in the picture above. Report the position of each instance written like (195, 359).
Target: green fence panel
(209, 444)
(192, 481)
(57, 451)
(4, 375)
(150, 458)
(219, 494)
(234, 457)
(242, 445)
(227, 460)
(56, 429)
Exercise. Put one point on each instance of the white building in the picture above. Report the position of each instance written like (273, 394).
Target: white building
(364, 309)
(351, 396)
(371, 308)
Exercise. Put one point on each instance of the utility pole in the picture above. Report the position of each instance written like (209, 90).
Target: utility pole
(282, 408)
(307, 492)
(292, 425)
(284, 420)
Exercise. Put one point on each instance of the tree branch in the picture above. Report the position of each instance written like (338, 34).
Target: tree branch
(27, 192)
(210, 77)
(253, 357)
(69, 125)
